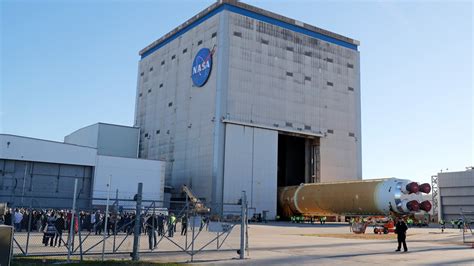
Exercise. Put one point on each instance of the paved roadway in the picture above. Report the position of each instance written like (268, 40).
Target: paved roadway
(331, 244)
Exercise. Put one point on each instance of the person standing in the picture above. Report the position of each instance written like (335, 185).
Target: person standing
(98, 223)
(171, 224)
(25, 220)
(351, 222)
(50, 230)
(44, 220)
(8, 218)
(92, 222)
(401, 230)
(184, 225)
(60, 224)
(161, 225)
(18, 217)
(38, 221)
(151, 224)
(442, 223)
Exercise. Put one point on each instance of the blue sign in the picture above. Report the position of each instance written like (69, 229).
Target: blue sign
(202, 66)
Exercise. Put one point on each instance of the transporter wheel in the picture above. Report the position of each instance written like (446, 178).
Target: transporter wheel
(375, 231)
(385, 231)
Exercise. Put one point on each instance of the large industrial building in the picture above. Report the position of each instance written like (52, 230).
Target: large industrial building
(456, 194)
(240, 98)
(41, 173)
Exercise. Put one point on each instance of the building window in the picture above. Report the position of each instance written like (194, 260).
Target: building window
(146, 135)
(238, 34)
(307, 78)
(330, 131)
(276, 125)
(265, 41)
(151, 69)
(329, 84)
(214, 34)
(288, 124)
(329, 60)
(140, 95)
(351, 134)
(185, 50)
(199, 42)
(141, 74)
(161, 85)
(163, 62)
(289, 74)
(350, 65)
(308, 54)
(289, 48)
(149, 90)
(350, 88)
(306, 127)
(173, 57)
(158, 131)
(170, 104)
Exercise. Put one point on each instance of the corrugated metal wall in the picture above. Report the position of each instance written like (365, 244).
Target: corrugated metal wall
(456, 190)
(44, 185)
(279, 78)
(176, 118)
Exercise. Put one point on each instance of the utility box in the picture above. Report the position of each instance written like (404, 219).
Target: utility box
(6, 245)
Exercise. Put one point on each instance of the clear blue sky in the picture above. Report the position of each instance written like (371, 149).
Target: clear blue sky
(67, 64)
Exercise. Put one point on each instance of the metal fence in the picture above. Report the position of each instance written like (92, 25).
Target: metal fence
(114, 228)
(467, 222)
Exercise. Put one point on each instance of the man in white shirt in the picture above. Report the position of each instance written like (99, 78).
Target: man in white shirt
(92, 222)
(18, 218)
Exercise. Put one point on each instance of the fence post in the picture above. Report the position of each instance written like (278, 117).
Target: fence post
(80, 239)
(30, 212)
(106, 221)
(136, 234)
(187, 225)
(192, 240)
(116, 216)
(242, 225)
(71, 225)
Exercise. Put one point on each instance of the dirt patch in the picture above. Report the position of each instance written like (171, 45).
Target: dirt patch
(33, 261)
(356, 236)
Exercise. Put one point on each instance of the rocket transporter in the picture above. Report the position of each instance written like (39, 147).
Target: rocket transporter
(389, 196)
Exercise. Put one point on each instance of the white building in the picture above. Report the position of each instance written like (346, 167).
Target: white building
(41, 173)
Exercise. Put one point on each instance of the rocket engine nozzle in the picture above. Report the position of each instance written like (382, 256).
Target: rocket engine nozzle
(425, 188)
(413, 206)
(412, 187)
(426, 206)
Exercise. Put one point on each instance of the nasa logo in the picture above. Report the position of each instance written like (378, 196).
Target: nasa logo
(202, 66)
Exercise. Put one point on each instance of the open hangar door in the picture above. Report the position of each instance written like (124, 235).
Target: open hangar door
(250, 164)
(261, 160)
(298, 160)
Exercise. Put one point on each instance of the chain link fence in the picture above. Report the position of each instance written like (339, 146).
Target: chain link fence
(115, 228)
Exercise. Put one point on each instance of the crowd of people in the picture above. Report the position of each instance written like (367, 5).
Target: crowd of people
(52, 223)
(33, 220)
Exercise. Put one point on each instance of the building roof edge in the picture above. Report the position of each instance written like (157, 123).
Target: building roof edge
(250, 8)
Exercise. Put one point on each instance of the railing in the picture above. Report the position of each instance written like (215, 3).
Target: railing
(80, 232)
